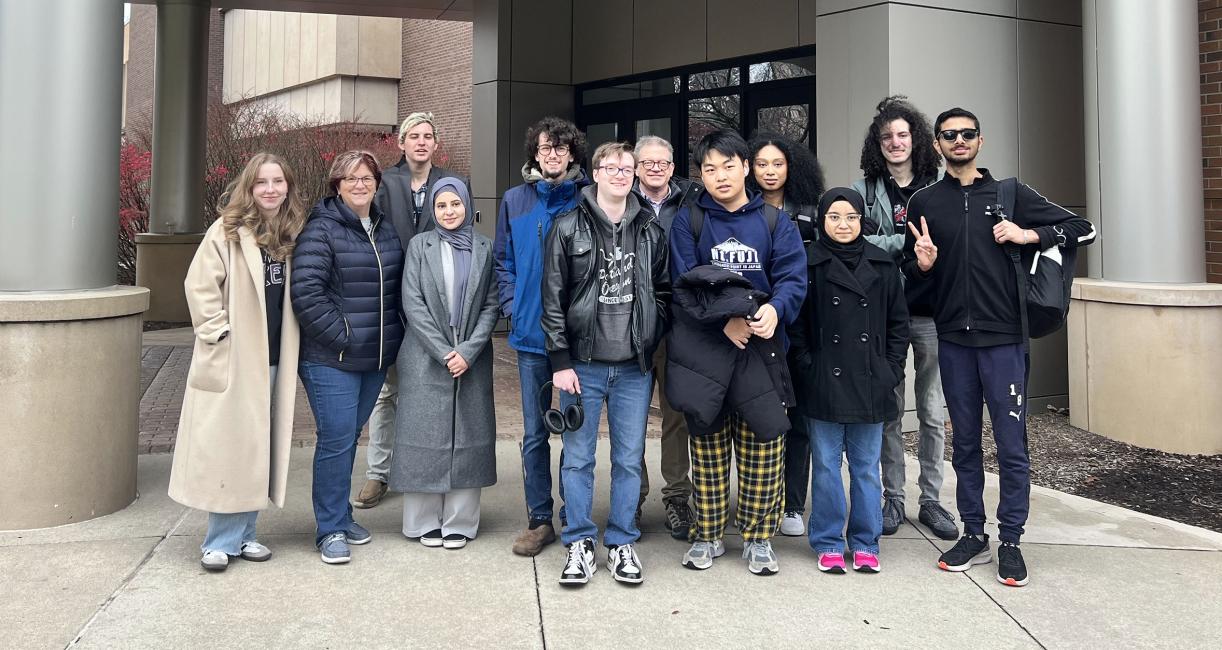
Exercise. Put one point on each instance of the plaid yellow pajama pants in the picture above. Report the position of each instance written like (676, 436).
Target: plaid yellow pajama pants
(761, 482)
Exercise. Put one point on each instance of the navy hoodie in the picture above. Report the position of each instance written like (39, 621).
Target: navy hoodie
(739, 241)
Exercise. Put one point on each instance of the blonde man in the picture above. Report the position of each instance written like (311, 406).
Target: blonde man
(401, 196)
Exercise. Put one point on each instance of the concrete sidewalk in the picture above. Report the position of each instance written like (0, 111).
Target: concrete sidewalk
(1101, 577)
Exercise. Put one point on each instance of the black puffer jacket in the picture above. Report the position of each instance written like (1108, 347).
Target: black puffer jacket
(571, 286)
(707, 376)
(851, 338)
(345, 289)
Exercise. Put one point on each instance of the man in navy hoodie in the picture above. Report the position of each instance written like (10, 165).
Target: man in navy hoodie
(735, 232)
(553, 178)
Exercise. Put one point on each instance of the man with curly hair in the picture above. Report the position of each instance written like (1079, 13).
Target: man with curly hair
(898, 158)
(553, 181)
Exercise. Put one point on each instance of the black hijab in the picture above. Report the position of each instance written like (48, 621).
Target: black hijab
(850, 253)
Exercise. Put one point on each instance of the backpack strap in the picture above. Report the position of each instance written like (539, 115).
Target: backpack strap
(1007, 189)
(695, 218)
(869, 197)
(771, 216)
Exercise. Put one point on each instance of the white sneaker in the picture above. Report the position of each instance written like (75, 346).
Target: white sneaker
(624, 564)
(214, 561)
(792, 526)
(700, 555)
(580, 564)
(255, 552)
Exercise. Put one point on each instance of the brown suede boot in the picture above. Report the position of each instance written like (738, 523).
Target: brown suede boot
(371, 495)
(532, 540)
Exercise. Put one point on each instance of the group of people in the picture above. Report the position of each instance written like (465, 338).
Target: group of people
(775, 316)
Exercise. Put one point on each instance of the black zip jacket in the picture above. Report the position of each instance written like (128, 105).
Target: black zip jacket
(681, 191)
(974, 288)
(570, 285)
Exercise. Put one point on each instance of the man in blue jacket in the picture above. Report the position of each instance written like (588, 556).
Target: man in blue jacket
(734, 230)
(553, 178)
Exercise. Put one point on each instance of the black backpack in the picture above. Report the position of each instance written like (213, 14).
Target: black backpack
(1045, 277)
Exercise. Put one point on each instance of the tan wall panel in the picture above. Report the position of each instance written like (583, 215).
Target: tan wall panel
(249, 52)
(316, 106)
(374, 101)
(309, 48)
(985, 83)
(263, 45)
(227, 72)
(667, 33)
(1051, 146)
(327, 35)
(292, 49)
(379, 47)
(542, 41)
(737, 28)
(602, 40)
(849, 81)
(275, 73)
(347, 44)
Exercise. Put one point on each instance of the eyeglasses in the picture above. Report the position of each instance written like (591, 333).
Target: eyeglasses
(560, 149)
(950, 135)
(616, 171)
(850, 218)
(363, 180)
(660, 165)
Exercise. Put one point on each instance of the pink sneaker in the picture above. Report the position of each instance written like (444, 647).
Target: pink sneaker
(831, 562)
(865, 561)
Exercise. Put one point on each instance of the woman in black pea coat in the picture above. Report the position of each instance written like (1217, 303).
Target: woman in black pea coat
(849, 344)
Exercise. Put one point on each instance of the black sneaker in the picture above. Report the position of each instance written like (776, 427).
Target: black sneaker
(1011, 570)
(679, 518)
(579, 565)
(939, 520)
(893, 514)
(970, 549)
(624, 564)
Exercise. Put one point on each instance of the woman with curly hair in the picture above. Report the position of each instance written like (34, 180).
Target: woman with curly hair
(789, 177)
(231, 457)
(899, 158)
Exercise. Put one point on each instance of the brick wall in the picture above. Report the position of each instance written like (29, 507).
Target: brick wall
(1210, 16)
(142, 50)
(436, 76)
(142, 47)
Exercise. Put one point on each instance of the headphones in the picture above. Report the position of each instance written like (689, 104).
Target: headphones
(555, 420)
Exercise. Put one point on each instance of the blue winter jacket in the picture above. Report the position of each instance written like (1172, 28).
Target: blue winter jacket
(522, 225)
(345, 289)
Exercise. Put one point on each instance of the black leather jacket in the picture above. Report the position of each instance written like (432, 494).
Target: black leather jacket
(570, 288)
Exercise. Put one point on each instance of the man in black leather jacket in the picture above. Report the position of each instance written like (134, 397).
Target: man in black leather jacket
(606, 292)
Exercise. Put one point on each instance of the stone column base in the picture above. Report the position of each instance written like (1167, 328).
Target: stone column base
(161, 267)
(1145, 363)
(70, 385)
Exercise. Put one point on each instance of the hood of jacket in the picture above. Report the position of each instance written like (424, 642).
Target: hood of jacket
(755, 201)
(632, 209)
(532, 175)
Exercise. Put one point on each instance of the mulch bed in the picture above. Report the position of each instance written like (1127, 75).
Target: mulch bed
(1180, 487)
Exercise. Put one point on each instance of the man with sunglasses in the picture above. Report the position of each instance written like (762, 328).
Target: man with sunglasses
(606, 295)
(657, 187)
(553, 177)
(959, 246)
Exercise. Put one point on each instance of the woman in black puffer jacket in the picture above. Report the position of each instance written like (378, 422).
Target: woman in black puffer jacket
(345, 289)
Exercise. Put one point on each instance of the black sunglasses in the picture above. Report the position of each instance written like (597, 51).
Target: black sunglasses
(950, 135)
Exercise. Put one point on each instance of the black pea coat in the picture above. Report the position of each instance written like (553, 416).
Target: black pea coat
(850, 340)
(707, 376)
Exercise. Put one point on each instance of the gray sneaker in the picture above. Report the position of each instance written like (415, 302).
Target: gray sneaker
(761, 559)
(214, 561)
(893, 514)
(939, 520)
(700, 555)
(334, 549)
(357, 534)
(253, 551)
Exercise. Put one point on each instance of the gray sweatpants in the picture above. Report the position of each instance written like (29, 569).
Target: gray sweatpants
(382, 428)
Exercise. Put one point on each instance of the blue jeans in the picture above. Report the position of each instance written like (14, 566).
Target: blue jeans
(829, 443)
(534, 370)
(342, 401)
(228, 531)
(627, 392)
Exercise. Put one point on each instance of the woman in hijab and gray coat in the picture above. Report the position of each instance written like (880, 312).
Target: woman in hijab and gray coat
(445, 429)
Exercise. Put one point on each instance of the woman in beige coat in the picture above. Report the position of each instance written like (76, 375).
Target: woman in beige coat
(231, 457)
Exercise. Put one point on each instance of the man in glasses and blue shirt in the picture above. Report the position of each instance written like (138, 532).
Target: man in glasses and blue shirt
(956, 241)
(606, 297)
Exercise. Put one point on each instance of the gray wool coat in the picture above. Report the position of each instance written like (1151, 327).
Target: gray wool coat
(445, 428)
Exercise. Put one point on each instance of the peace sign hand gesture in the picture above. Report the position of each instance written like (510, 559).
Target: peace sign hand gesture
(926, 252)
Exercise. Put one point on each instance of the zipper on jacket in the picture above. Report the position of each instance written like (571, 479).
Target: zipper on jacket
(381, 292)
(348, 331)
(967, 266)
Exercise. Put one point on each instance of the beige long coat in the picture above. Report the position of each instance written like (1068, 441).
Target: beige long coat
(232, 452)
